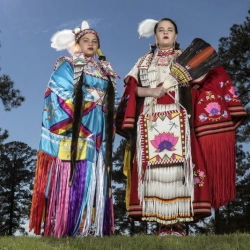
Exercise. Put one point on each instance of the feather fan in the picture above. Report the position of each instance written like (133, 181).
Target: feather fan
(199, 58)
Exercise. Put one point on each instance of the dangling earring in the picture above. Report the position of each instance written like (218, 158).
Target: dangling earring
(174, 45)
(77, 49)
(156, 43)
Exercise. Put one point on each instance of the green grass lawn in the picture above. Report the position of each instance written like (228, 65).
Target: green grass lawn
(201, 242)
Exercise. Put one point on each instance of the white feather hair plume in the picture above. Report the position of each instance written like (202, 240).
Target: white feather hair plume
(146, 28)
(62, 39)
(65, 39)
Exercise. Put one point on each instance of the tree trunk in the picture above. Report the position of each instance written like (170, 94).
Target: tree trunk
(187, 229)
(217, 222)
(132, 228)
(11, 209)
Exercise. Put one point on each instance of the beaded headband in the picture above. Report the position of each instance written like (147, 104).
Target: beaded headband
(84, 32)
(67, 38)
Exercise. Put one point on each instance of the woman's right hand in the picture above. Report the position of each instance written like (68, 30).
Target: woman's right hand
(157, 92)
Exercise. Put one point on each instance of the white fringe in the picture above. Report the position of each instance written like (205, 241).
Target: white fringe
(165, 183)
(89, 208)
(97, 187)
(100, 195)
(139, 154)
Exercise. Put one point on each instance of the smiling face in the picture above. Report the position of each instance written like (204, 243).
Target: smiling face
(165, 34)
(88, 44)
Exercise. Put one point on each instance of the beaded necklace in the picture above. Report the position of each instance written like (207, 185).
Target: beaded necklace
(165, 52)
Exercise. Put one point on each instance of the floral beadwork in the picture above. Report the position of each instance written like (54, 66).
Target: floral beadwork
(164, 141)
(199, 177)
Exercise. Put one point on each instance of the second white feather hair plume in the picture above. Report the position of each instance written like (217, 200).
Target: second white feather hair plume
(84, 25)
(146, 28)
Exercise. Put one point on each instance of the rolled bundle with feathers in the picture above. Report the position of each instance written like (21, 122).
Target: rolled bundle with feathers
(199, 58)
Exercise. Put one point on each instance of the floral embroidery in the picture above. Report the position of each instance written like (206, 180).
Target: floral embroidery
(199, 177)
(233, 92)
(224, 113)
(164, 141)
(209, 95)
(233, 96)
(200, 101)
(203, 117)
(213, 108)
(227, 98)
(223, 84)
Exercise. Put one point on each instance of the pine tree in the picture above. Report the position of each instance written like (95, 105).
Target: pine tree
(17, 166)
(11, 98)
(122, 224)
(234, 52)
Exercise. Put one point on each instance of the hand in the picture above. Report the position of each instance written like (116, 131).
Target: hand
(158, 92)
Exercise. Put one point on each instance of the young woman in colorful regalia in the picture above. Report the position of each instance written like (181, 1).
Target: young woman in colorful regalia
(72, 187)
(171, 178)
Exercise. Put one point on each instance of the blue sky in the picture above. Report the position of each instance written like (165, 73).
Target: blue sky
(27, 26)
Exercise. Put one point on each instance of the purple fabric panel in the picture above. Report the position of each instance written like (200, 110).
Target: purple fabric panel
(76, 195)
(107, 217)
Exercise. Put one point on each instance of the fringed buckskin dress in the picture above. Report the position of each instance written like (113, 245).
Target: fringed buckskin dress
(175, 173)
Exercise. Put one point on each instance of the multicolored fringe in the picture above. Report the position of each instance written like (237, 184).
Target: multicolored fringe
(44, 164)
(58, 196)
(82, 209)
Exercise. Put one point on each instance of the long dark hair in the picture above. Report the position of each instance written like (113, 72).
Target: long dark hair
(77, 119)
